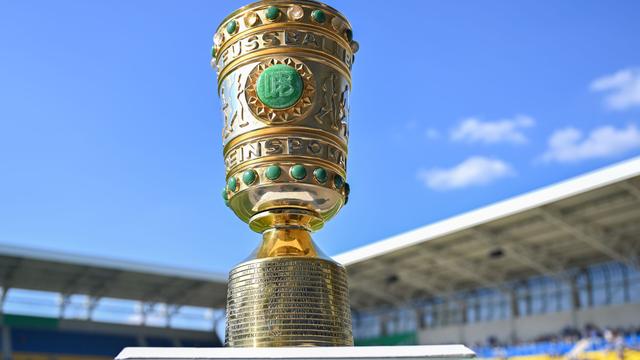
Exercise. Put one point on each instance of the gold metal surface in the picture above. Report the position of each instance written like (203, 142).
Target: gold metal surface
(288, 301)
(302, 131)
(284, 79)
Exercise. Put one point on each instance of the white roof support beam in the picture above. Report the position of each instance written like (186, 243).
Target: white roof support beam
(6, 278)
(374, 291)
(105, 286)
(589, 234)
(632, 188)
(3, 297)
(146, 308)
(91, 304)
(463, 269)
(185, 292)
(169, 312)
(70, 286)
(65, 301)
(540, 261)
(421, 281)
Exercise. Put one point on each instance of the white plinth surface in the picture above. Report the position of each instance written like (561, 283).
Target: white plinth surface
(431, 352)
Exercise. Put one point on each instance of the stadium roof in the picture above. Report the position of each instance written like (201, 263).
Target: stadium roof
(585, 220)
(97, 277)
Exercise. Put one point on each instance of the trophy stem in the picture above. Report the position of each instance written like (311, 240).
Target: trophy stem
(286, 242)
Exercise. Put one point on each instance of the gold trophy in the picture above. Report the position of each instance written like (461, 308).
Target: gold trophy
(284, 77)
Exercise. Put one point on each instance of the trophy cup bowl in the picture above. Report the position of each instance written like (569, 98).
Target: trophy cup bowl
(284, 77)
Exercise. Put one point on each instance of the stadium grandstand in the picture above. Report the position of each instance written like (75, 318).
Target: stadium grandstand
(551, 273)
(62, 307)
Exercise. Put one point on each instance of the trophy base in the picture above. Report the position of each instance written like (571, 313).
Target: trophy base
(430, 352)
(288, 301)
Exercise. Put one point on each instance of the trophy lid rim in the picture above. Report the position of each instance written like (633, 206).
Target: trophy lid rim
(292, 2)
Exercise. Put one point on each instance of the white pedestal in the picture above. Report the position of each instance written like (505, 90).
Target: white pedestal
(431, 352)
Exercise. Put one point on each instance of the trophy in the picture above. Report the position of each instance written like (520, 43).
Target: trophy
(284, 77)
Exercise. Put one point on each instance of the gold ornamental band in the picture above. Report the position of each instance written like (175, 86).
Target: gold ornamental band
(285, 131)
(288, 301)
(285, 163)
(284, 36)
(276, 2)
(285, 146)
(260, 5)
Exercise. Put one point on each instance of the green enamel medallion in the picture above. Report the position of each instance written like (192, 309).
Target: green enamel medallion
(232, 183)
(249, 177)
(225, 196)
(272, 13)
(279, 86)
(338, 181)
(298, 172)
(320, 174)
(232, 26)
(273, 172)
(318, 16)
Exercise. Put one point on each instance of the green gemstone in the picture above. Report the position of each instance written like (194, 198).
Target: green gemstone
(225, 196)
(249, 177)
(347, 189)
(213, 51)
(338, 182)
(232, 26)
(273, 172)
(279, 86)
(272, 13)
(318, 16)
(298, 172)
(232, 183)
(320, 174)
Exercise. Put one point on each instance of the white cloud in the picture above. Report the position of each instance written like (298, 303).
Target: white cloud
(476, 170)
(489, 132)
(570, 144)
(622, 87)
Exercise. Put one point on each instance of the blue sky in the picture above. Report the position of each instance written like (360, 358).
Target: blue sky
(110, 125)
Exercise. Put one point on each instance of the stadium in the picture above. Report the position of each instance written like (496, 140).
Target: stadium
(550, 273)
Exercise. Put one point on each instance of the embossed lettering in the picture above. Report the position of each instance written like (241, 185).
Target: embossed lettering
(273, 146)
(310, 39)
(285, 146)
(295, 146)
(271, 38)
(251, 43)
(314, 147)
(292, 38)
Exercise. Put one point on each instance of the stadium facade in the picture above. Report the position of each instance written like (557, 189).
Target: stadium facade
(555, 261)
(552, 265)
